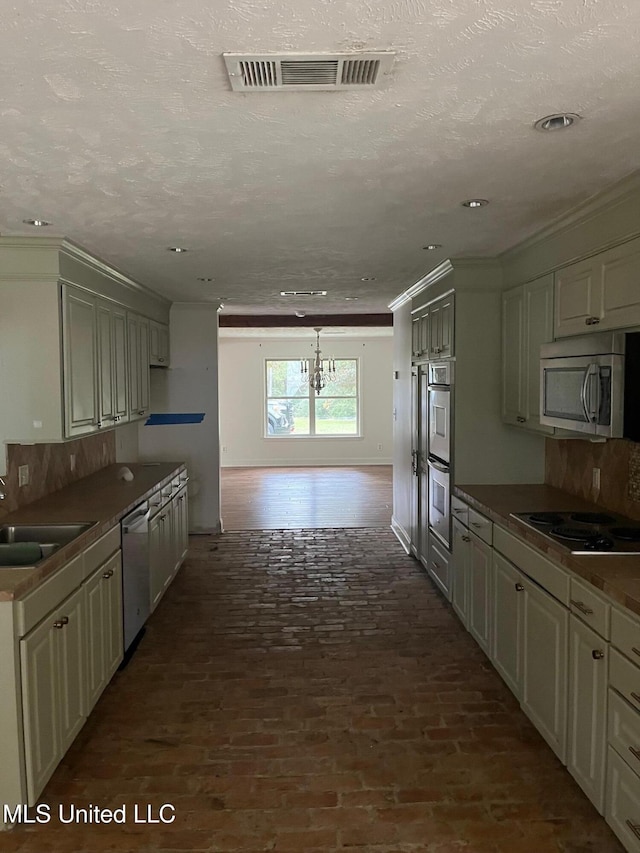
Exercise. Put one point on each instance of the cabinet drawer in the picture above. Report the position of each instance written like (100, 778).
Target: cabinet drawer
(96, 554)
(481, 526)
(623, 802)
(624, 730)
(34, 606)
(438, 566)
(625, 677)
(625, 634)
(590, 607)
(545, 573)
(460, 510)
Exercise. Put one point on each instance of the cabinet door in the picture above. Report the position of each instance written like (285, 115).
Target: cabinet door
(539, 330)
(106, 413)
(578, 298)
(80, 362)
(513, 356)
(143, 366)
(120, 366)
(134, 365)
(480, 592)
(460, 571)
(112, 614)
(156, 560)
(435, 330)
(508, 603)
(41, 705)
(425, 332)
(184, 511)
(72, 644)
(446, 327)
(159, 344)
(544, 670)
(623, 802)
(96, 679)
(621, 286)
(415, 337)
(587, 741)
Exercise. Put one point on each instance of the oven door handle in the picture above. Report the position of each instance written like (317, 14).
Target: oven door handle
(439, 466)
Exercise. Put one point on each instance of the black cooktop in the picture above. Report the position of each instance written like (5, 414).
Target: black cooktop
(586, 532)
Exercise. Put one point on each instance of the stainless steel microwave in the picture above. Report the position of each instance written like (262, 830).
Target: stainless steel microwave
(582, 384)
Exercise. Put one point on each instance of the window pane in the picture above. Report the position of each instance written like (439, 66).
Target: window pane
(285, 380)
(336, 417)
(288, 417)
(346, 379)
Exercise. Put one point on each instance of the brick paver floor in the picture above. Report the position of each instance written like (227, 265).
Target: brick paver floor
(310, 691)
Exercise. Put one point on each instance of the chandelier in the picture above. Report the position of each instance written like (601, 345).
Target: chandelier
(323, 369)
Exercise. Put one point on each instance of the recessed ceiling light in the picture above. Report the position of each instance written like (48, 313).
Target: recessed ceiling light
(557, 121)
(200, 278)
(176, 249)
(369, 278)
(432, 246)
(39, 223)
(300, 314)
(351, 298)
(475, 202)
(303, 293)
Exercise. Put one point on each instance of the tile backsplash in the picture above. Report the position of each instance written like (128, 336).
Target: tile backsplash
(569, 466)
(50, 466)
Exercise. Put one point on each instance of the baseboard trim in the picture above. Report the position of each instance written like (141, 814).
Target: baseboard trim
(401, 535)
(308, 463)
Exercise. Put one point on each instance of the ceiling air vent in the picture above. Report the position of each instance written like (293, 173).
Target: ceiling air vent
(303, 293)
(306, 72)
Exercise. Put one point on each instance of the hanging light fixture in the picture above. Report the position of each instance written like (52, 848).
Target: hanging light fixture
(323, 370)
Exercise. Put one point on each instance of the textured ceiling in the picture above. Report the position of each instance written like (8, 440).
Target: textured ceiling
(119, 126)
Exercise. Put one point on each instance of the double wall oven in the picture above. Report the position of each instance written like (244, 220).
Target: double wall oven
(440, 381)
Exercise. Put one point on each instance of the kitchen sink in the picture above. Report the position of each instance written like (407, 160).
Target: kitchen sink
(49, 537)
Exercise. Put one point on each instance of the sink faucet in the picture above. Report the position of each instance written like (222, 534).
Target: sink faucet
(3, 494)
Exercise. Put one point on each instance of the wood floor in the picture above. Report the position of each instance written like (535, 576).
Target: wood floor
(293, 498)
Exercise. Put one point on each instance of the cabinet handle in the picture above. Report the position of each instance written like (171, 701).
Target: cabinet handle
(458, 509)
(580, 605)
(635, 752)
(161, 360)
(60, 623)
(108, 574)
(521, 420)
(597, 654)
(435, 565)
(592, 321)
(634, 827)
(99, 424)
(466, 538)
(635, 651)
(142, 411)
(635, 696)
(477, 524)
(519, 587)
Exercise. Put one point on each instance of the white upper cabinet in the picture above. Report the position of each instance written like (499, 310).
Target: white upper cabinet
(80, 347)
(138, 350)
(158, 344)
(600, 293)
(441, 328)
(527, 322)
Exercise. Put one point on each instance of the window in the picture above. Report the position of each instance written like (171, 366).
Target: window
(293, 408)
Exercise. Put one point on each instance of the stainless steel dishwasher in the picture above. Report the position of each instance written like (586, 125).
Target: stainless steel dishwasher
(135, 575)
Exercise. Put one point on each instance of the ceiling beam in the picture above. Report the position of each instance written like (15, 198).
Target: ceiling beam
(286, 321)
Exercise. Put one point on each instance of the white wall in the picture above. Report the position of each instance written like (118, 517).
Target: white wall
(242, 374)
(190, 385)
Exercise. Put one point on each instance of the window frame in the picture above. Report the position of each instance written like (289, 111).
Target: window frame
(311, 396)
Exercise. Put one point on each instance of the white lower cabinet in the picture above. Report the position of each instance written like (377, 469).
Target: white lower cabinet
(438, 566)
(52, 661)
(103, 592)
(507, 631)
(480, 592)
(460, 568)
(161, 552)
(544, 666)
(587, 737)
(623, 801)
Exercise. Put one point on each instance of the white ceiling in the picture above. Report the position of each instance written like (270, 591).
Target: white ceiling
(119, 126)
